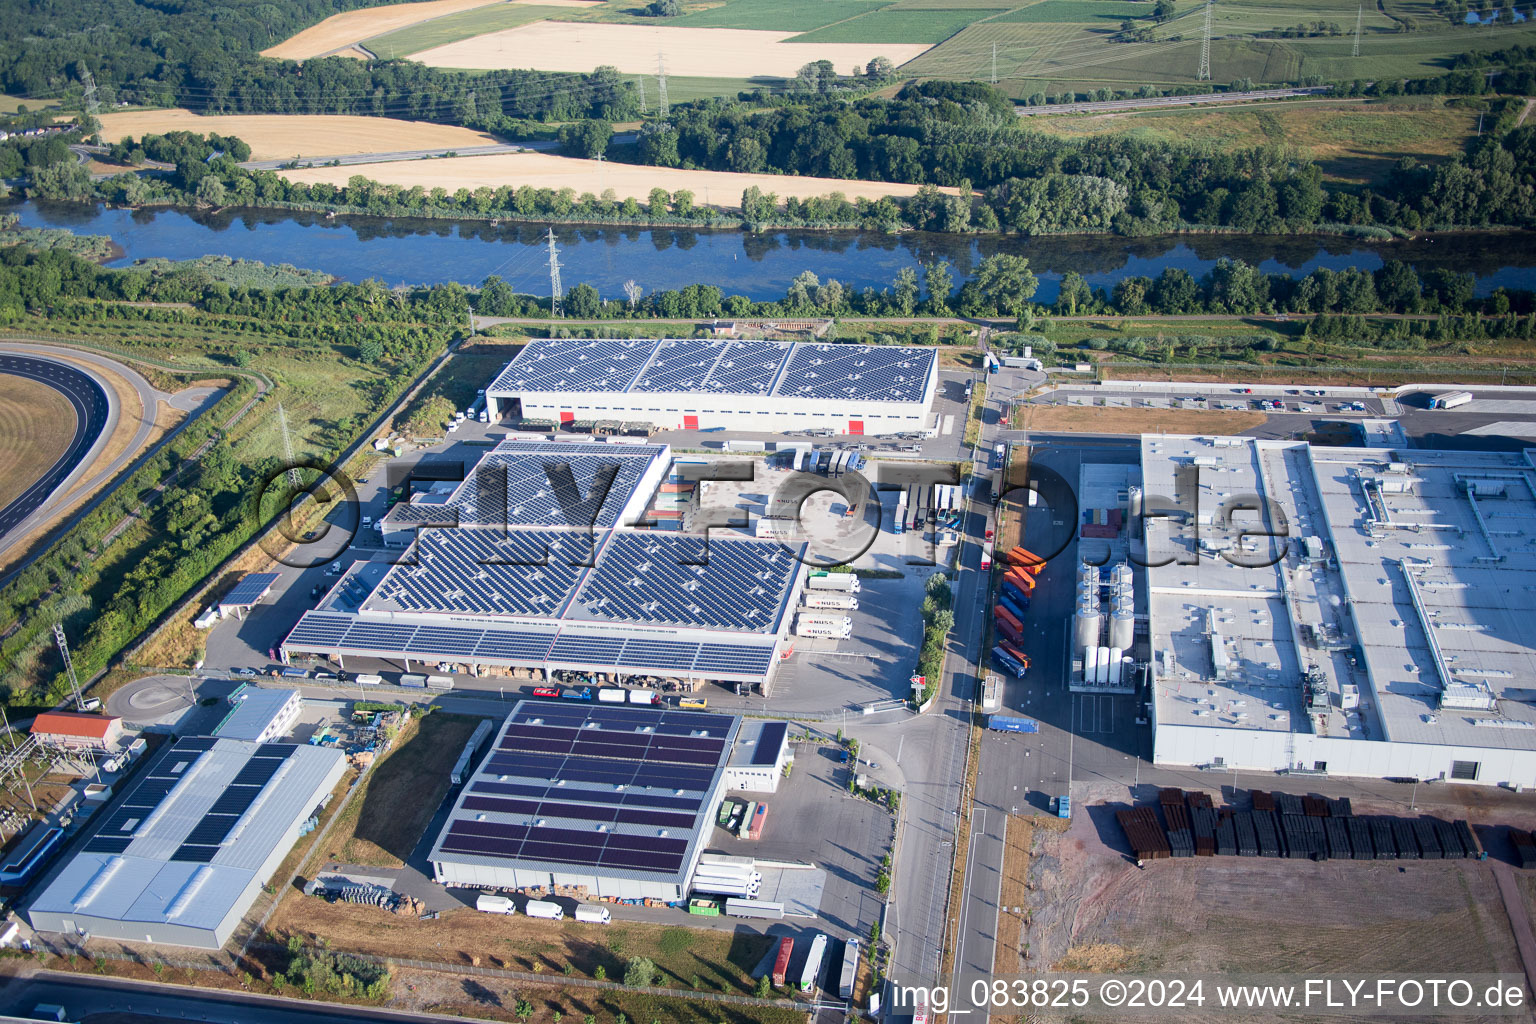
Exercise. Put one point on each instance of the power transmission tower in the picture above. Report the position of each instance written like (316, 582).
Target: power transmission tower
(1359, 17)
(88, 97)
(994, 63)
(69, 666)
(661, 86)
(555, 292)
(641, 80)
(293, 470)
(1204, 74)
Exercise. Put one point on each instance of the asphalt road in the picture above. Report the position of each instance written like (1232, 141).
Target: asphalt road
(1158, 102)
(93, 407)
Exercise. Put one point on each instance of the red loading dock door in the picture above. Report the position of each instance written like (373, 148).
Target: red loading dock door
(856, 427)
(690, 423)
(567, 417)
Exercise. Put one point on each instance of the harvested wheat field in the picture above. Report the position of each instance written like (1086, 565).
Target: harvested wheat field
(560, 3)
(1073, 419)
(633, 49)
(545, 170)
(36, 426)
(282, 136)
(342, 30)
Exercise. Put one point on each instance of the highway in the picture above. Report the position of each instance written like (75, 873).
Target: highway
(93, 408)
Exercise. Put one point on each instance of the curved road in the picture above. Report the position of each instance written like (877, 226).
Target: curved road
(93, 408)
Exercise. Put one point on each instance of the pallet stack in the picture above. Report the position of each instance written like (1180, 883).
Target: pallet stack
(1144, 832)
(1181, 834)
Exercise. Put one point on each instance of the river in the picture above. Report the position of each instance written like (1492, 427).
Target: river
(760, 266)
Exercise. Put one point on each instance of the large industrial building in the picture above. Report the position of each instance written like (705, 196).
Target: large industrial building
(675, 384)
(184, 855)
(533, 564)
(1386, 633)
(596, 801)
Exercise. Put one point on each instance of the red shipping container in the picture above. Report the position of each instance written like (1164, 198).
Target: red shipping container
(1002, 614)
(781, 962)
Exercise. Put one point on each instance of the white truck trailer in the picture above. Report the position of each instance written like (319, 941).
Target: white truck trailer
(610, 695)
(493, 904)
(846, 582)
(592, 914)
(811, 975)
(1450, 400)
(830, 599)
(824, 630)
(764, 909)
(850, 969)
(544, 909)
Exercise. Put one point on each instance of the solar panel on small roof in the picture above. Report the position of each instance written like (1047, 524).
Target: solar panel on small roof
(249, 590)
(768, 743)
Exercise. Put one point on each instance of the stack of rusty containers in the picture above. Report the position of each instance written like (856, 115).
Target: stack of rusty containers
(1181, 837)
(1202, 816)
(1525, 846)
(1144, 832)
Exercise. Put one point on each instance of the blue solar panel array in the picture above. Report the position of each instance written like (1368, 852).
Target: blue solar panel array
(324, 633)
(715, 367)
(489, 571)
(593, 786)
(654, 578)
(768, 743)
(250, 588)
(865, 373)
(567, 364)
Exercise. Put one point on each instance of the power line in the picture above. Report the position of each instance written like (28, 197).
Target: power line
(641, 82)
(1359, 17)
(1204, 74)
(88, 98)
(69, 666)
(994, 63)
(661, 86)
(555, 293)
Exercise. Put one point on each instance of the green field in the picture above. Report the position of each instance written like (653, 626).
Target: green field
(1352, 141)
(765, 15)
(894, 26)
(453, 27)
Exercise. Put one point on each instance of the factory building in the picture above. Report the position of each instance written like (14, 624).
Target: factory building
(1347, 611)
(184, 855)
(589, 801)
(73, 730)
(675, 384)
(536, 561)
(260, 715)
(758, 758)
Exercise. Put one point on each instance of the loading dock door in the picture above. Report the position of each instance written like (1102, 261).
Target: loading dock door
(856, 427)
(567, 417)
(690, 423)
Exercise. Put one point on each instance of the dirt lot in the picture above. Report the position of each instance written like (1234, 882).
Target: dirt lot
(721, 960)
(342, 30)
(545, 170)
(1091, 908)
(386, 819)
(1135, 421)
(281, 136)
(633, 49)
(36, 424)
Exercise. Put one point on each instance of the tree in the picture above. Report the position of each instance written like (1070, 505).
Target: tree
(1073, 295)
(880, 69)
(819, 76)
(61, 181)
(583, 302)
(940, 283)
(1006, 282)
(524, 1009)
(764, 987)
(664, 9)
(496, 298)
(907, 291)
(802, 290)
(586, 138)
(639, 973)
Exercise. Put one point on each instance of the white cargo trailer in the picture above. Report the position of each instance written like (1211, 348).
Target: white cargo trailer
(544, 909)
(847, 582)
(593, 914)
(367, 679)
(850, 969)
(439, 682)
(830, 599)
(611, 696)
(754, 908)
(493, 904)
(811, 975)
(727, 859)
(816, 630)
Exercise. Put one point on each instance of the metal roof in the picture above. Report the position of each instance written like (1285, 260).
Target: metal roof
(623, 792)
(254, 711)
(251, 588)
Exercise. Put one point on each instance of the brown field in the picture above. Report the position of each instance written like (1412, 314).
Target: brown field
(560, 3)
(36, 425)
(706, 52)
(399, 796)
(1014, 893)
(281, 136)
(341, 30)
(546, 170)
(1087, 419)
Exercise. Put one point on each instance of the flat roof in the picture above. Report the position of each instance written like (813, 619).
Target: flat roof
(255, 710)
(759, 744)
(188, 838)
(865, 373)
(592, 789)
(1420, 561)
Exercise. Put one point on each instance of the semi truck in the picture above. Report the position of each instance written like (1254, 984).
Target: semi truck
(1008, 723)
(1450, 400)
(847, 582)
(609, 695)
(644, 697)
(830, 599)
(591, 914)
(810, 974)
(825, 631)
(752, 828)
(493, 904)
(986, 555)
(850, 969)
(763, 909)
(781, 962)
(1005, 660)
(544, 909)
(726, 888)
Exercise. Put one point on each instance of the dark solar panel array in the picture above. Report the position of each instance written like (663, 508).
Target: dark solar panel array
(489, 571)
(651, 577)
(142, 799)
(536, 809)
(607, 797)
(250, 588)
(866, 373)
(326, 633)
(574, 364)
(207, 835)
(769, 742)
(565, 846)
(602, 771)
(713, 367)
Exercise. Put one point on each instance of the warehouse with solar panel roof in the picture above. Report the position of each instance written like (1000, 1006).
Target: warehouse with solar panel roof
(541, 560)
(701, 384)
(592, 801)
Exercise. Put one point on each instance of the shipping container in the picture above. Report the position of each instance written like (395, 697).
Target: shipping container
(754, 830)
(719, 866)
(1016, 595)
(439, 682)
(850, 972)
(544, 909)
(810, 974)
(754, 908)
(1008, 723)
(1013, 609)
(1013, 667)
(611, 696)
(367, 679)
(414, 681)
(830, 599)
(1026, 560)
(781, 962)
(1009, 633)
(492, 904)
(1002, 614)
(738, 445)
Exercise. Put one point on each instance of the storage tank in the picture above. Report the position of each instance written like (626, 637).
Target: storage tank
(1122, 606)
(1116, 655)
(1090, 663)
(1103, 674)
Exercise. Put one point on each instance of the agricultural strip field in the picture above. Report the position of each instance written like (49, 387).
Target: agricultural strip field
(384, 821)
(1077, 419)
(453, 27)
(1352, 141)
(280, 136)
(635, 49)
(546, 170)
(36, 425)
(1064, 44)
(342, 30)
